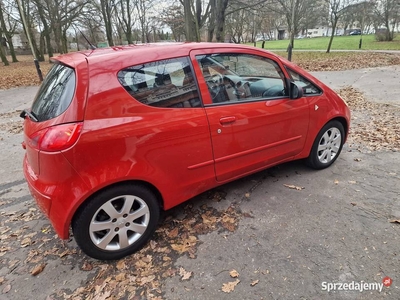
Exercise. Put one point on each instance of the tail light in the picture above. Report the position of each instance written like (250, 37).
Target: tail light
(56, 138)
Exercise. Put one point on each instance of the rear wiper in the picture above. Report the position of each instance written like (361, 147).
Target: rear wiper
(31, 115)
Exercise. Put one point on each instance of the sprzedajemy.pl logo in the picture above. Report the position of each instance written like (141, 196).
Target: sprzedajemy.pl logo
(356, 286)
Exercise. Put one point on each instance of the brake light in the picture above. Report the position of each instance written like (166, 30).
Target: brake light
(56, 138)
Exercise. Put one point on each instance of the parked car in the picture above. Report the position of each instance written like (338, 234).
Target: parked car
(355, 32)
(115, 135)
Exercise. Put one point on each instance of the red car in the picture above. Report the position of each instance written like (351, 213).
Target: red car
(115, 135)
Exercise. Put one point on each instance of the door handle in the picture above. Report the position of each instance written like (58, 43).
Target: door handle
(227, 120)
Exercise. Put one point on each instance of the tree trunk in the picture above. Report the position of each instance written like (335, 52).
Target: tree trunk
(106, 12)
(220, 19)
(46, 30)
(211, 22)
(3, 54)
(332, 34)
(7, 34)
(190, 25)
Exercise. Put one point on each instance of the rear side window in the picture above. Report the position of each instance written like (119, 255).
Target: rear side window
(55, 93)
(165, 83)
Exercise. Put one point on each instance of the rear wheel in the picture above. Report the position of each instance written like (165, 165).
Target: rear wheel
(327, 145)
(116, 222)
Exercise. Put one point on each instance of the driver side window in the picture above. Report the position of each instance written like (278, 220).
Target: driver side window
(237, 77)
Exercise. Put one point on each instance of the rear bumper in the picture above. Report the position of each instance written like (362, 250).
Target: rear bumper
(56, 192)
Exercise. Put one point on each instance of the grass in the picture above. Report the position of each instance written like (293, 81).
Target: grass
(350, 42)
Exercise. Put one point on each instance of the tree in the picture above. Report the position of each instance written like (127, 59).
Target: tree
(8, 30)
(106, 9)
(2, 52)
(387, 13)
(126, 18)
(337, 9)
(294, 12)
(173, 17)
(142, 7)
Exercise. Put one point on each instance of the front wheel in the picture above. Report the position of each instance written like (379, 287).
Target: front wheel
(327, 145)
(116, 222)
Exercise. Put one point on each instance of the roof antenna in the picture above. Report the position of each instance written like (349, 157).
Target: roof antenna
(87, 40)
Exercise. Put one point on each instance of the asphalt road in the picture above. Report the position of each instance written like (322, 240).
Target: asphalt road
(286, 243)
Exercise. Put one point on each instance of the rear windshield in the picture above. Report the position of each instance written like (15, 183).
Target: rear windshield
(55, 94)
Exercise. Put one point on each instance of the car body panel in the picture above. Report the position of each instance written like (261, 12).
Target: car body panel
(178, 152)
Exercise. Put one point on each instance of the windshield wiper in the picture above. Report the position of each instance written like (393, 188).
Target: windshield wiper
(30, 114)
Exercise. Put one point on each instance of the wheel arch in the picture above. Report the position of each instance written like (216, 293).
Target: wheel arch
(145, 184)
(345, 124)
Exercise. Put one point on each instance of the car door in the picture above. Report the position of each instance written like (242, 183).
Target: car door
(253, 123)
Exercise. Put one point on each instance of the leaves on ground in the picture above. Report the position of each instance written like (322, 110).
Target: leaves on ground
(38, 269)
(374, 125)
(294, 187)
(230, 286)
(253, 283)
(22, 73)
(339, 61)
(185, 275)
(234, 274)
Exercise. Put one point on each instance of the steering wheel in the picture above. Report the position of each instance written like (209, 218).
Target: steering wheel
(274, 91)
(215, 82)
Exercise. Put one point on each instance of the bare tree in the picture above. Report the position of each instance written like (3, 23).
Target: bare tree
(106, 9)
(126, 18)
(2, 51)
(8, 29)
(195, 17)
(337, 9)
(173, 17)
(142, 7)
(387, 13)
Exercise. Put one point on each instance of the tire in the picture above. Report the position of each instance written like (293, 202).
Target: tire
(116, 222)
(327, 146)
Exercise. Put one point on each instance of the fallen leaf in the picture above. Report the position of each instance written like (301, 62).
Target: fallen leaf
(120, 277)
(234, 274)
(147, 279)
(357, 159)
(230, 286)
(173, 233)
(185, 275)
(25, 242)
(121, 265)
(254, 282)
(352, 203)
(7, 288)
(395, 221)
(87, 266)
(291, 186)
(38, 269)
(186, 245)
(65, 253)
(336, 181)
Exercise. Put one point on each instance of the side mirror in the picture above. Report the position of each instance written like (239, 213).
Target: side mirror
(295, 91)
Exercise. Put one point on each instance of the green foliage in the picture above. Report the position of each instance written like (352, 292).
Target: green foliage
(350, 42)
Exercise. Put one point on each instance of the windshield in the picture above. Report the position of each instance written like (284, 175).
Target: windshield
(55, 94)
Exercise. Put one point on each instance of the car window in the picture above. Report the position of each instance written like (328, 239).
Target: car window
(165, 83)
(55, 94)
(241, 77)
(308, 87)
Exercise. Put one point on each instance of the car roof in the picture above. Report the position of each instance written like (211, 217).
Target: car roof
(177, 48)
